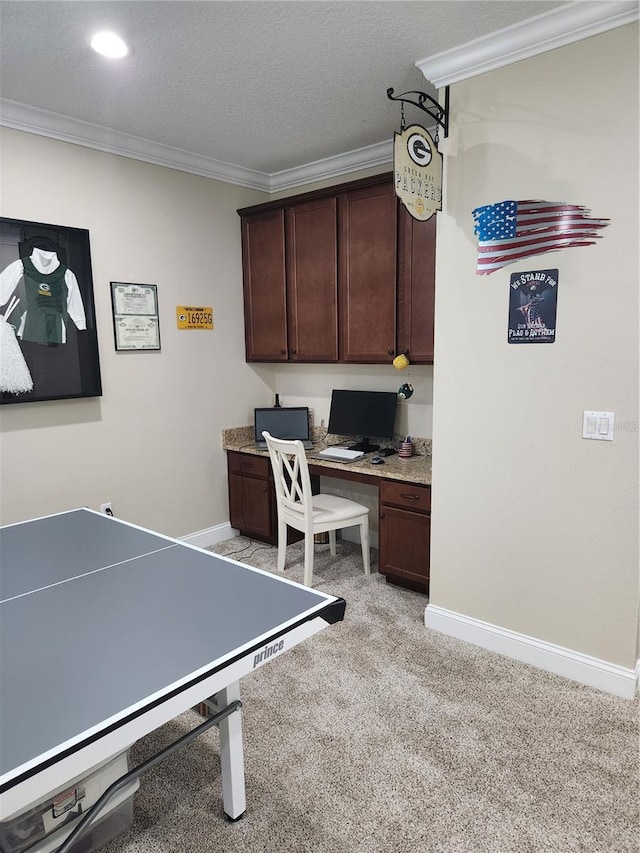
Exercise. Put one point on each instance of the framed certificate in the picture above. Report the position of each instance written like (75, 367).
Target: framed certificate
(136, 322)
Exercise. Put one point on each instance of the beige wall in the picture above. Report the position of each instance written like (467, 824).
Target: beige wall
(535, 529)
(152, 443)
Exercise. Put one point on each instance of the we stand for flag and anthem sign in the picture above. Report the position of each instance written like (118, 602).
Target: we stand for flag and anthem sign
(511, 230)
(533, 298)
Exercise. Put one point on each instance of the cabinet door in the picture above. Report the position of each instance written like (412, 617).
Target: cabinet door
(312, 280)
(367, 258)
(416, 287)
(263, 262)
(404, 546)
(251, 506)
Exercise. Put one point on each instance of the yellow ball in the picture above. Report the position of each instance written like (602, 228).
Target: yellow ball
(400, 362)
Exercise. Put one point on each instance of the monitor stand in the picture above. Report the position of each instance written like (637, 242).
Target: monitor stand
(365, 446)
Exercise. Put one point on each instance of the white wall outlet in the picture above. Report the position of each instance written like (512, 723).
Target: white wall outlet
(598, 425)
(106, 508)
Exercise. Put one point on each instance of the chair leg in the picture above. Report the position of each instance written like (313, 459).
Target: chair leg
(364, 539)
(308, 559)
(332, 542)
(282, 545)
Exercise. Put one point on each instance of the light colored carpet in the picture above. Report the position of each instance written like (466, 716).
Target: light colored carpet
(380, 736)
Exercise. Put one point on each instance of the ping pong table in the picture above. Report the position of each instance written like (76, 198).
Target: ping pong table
(108, 631)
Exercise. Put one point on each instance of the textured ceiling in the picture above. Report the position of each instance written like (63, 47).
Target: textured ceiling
(261, 85)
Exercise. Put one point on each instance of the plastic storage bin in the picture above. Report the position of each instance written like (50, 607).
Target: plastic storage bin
(42, 828)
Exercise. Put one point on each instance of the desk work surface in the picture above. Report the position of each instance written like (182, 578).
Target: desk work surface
(101, 619)
(416, 469)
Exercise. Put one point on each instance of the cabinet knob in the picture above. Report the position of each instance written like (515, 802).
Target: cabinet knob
(390, 352)
(294, 352)
(283, 352)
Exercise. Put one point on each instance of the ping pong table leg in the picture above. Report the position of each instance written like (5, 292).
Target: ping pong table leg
(231, 755)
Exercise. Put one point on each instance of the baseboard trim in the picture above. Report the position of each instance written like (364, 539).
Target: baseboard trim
(584, 669)
(210, 536)
(222, 532)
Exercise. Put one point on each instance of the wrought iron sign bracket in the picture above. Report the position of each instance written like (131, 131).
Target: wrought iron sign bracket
(439, 113)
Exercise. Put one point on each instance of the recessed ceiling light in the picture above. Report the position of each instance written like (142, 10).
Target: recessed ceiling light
(109, 44)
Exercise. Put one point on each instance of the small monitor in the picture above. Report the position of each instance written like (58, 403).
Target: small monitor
(363, 415)
(291, 423)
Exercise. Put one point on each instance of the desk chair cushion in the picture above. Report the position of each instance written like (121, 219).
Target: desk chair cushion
(333, 508)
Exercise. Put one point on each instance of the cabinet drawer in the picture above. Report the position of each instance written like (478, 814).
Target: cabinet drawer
(247, 463)
(406, 495)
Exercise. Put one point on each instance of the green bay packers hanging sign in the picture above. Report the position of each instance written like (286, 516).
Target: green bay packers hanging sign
(417, 166)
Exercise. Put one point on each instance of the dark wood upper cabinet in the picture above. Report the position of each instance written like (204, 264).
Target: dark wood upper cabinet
(343, 274)
(416, 286)
(368, 274)
(312, 281)
(265, 307)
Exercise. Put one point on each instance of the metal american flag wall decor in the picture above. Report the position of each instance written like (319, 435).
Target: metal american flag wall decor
(510, 230)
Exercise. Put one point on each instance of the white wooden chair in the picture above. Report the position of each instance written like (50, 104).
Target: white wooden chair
(308, 513)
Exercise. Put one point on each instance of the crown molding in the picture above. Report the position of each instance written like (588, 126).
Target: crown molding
(380, 154)
(55, 126)
(559, 27)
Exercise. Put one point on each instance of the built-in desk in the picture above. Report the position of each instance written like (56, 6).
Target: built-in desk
(404, 501)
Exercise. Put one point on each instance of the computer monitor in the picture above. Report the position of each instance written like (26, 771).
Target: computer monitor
(364, 415)
(290, 423)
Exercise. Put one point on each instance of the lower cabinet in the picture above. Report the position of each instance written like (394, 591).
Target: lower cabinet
(405, 533)
(252, 498)
(252, 508)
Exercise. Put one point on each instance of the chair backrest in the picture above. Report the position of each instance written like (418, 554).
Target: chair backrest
(291, 480)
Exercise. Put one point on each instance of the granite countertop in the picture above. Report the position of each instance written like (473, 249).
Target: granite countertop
(416, 469)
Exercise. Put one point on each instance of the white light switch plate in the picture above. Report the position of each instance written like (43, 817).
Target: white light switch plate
(598, 425)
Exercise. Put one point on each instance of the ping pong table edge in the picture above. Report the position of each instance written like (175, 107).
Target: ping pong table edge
(66, 768)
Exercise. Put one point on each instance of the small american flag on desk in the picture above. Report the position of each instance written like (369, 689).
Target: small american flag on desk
(510, 230)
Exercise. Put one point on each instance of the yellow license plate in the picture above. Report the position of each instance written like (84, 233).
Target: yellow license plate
(190, 317)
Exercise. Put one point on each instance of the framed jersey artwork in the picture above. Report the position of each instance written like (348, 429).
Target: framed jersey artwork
(48, 338)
